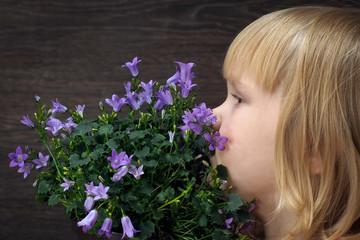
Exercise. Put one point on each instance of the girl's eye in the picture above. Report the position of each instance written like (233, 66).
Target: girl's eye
(238, 99)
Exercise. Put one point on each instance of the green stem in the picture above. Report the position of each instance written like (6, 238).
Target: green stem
(53, 157)
(177, 198)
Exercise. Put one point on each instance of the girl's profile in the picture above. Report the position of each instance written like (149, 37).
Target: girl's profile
(292, 119)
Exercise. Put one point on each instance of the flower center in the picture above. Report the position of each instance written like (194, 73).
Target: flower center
(19, 158)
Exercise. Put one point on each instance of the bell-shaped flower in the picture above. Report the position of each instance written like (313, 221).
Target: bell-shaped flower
(89, 203)
(216, 141)
(54, 125)
(80, 110)
(185, 71)
(120, 173)
(90, 189)
(191, 123)
(227, 222)
(132, 101)
(136, 172)
(128, 228)
(106, 228)
(89, 221)
(101, 192)
(115, 102)
(119, 160)
(26, 120)
(132, 66)
(174, 78)
(17, 158)
(67, 184)
(25, 169)
(146, 95)
(57, 107)
(69, 125)
(41, 161)
(186, 87)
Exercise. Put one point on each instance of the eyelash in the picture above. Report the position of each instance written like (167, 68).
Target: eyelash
(239, 99)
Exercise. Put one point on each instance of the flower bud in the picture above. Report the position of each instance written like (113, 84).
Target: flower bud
(101, 105)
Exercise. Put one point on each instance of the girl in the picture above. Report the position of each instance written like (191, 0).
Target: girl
(292, 119)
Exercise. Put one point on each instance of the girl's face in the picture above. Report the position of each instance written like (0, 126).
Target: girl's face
(248, 118)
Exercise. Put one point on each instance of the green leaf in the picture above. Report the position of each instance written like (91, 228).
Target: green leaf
(222, 172)
(234, 202)
(220, 234)
(81, 129)
(75, 160)
(174, 159)
(167, 194)
(139, 134)
(143, 153)
(147, 229)
(71, 207)
(106, 129)
(203, 221)
(112, 143)
(54, 199)
(158, 139)
(44, 187)
(151, 163)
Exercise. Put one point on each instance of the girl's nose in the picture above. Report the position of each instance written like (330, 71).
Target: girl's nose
(216, 112)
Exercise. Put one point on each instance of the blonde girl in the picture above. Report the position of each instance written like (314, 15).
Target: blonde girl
(292, 118)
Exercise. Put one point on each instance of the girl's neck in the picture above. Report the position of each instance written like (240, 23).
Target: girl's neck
(277, 224)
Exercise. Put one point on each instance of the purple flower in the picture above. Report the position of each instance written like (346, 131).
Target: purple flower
(106, 228)
(66, 184)
(127, 87)
(17, 158)
(89, 221)
(216, 141)
(174, 79)
(246, 227)
(41, 161)
(26, 120)
(80, 110)
(185, 71)
(227, 222)
(25, 169)
(89, 203)
(54, 125)
(119, 160)
(115, 102)
(164, 98)
(57, 107)
(191, 123)
(101, 192)
(204, 115)
(37, 98)
(186, 87)
(120, 173)
(69, 125)
(132, 101)
(146, 95)
(136, 172)
(133, 66)
(128, 228)
(91, 189)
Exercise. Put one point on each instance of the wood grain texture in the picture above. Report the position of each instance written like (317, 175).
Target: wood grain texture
(73, 50)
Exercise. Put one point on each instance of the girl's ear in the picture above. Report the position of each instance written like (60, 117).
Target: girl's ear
(316, 166)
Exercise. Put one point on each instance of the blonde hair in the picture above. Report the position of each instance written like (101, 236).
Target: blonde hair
(313, 53)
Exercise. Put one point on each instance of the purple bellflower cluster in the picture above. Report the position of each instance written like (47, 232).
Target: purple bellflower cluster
(141, 174)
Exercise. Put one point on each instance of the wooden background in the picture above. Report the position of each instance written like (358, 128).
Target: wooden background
(73, 50)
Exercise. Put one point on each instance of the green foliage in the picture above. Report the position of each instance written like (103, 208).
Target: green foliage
(179, 195)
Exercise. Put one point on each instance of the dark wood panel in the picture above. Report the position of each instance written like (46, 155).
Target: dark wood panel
(73, 50)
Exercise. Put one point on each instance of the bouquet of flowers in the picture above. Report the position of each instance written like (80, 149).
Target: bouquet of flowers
(141, 168)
